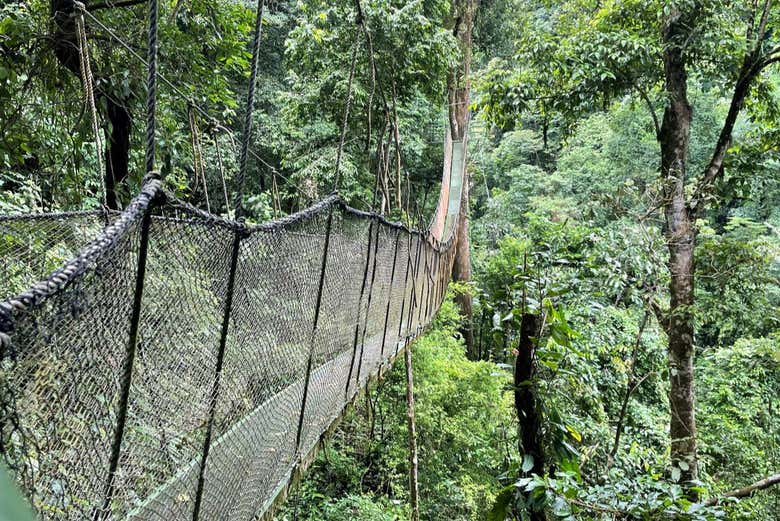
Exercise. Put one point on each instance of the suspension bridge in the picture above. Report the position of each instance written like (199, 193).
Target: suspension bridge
(166, 363)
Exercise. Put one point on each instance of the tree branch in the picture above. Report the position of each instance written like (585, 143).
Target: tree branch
(108, 4)
(660, 314)
(746, 491)
(762, 25)
(769, 61)
(631, 386)
(752, 65)
(650, 107)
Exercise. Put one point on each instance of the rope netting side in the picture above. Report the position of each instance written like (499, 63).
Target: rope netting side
(180, 367)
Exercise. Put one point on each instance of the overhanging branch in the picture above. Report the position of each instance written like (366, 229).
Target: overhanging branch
(746, 491)
(109, 4)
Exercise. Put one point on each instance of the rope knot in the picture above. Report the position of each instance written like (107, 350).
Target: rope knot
(6, 327)
(152, 176)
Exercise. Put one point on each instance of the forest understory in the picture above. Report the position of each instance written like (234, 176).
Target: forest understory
(609, 348)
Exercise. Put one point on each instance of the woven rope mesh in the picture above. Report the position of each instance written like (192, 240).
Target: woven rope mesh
(33, 246)
(226, 391)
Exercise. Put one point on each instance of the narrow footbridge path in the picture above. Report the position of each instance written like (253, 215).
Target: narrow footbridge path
(170, 364)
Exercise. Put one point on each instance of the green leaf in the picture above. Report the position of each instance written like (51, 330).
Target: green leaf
(501, 505)
(574, 434)
(528, 462)
(561, 507)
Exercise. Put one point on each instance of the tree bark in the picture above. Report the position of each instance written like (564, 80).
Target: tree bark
(458, 96)
(118, 148)
(680, 236)
(413, 487)
(680, 212)
(118, 138)
(748, 491)
(528, 417)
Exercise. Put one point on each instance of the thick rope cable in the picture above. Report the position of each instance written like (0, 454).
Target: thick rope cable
(347, 107)
(87, 82)
(221, 166)
(361, 21)
(203, 112)
(197, 155)
(151, 86)
(250, 102)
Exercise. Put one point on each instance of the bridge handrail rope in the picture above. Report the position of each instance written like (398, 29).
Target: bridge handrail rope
(88, 84)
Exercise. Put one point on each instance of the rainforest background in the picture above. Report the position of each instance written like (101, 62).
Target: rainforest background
(568, 188)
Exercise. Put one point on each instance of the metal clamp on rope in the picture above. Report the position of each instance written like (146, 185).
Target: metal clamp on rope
(6, 326)
(151, 176)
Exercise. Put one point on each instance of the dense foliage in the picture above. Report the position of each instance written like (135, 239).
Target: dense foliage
(567, 224)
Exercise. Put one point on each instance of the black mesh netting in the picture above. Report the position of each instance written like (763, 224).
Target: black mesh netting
(250, 342)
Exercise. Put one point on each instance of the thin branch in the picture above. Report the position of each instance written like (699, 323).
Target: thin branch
(631, 386)
(769, 61)
(109, 5)
(762, 25)
(661, 314)
(746, 491)
(773, 50)
(650, 107)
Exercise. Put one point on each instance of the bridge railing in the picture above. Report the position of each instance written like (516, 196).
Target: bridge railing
(181, 365)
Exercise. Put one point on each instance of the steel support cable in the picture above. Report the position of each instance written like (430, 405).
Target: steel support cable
(275, 192)
(216, 383)
(203, 112)
(197, 155)
(87, 82)
(347, 107)
(360, 303)
(314, 329)
(151, 191)
(151, 85)
(221, 166)
(249, 109)
(368, 305)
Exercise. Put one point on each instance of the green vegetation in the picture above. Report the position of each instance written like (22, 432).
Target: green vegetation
(465, 430)
(606, 208)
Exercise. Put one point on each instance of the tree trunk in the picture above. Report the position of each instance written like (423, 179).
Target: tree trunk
(528, 418)
(66, 49)
(680, 235)
(118, 148)
(458, 96)
(413, 486)
(461, 272)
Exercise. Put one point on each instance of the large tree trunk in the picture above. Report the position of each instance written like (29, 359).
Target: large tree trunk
(458, 88)
(118, 149)
(680, 235)
(66, 49)
(528, 417)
